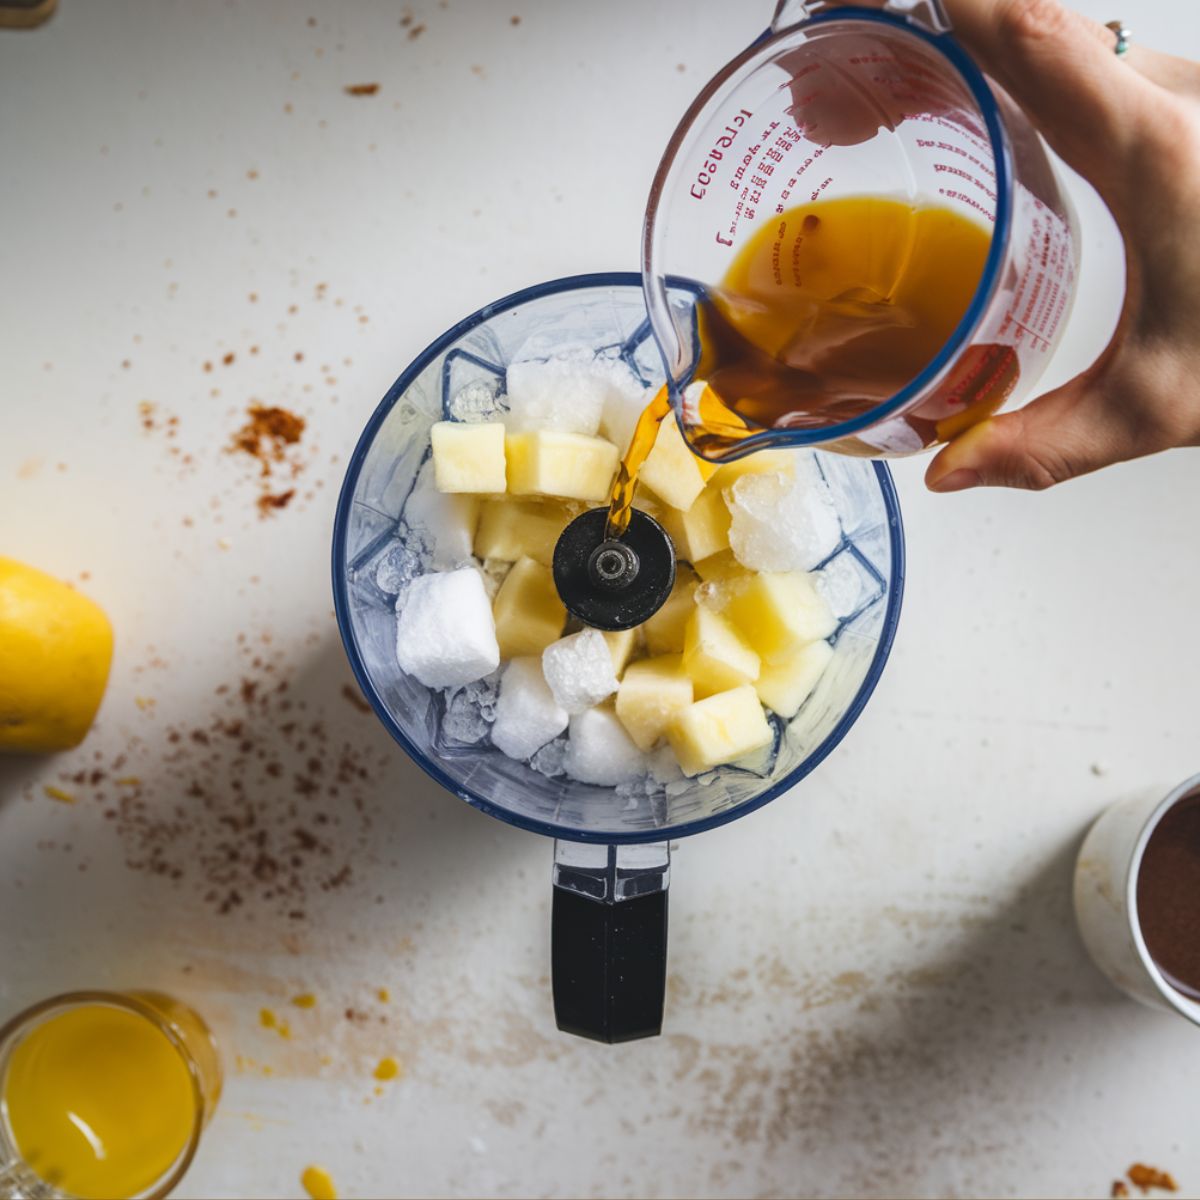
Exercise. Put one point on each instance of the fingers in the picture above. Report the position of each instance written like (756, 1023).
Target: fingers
(1066, 433)
(1061, 68)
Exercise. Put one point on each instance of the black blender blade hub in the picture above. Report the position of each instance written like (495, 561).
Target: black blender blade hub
(614, 584)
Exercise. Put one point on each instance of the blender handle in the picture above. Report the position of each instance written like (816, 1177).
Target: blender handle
(608, 944)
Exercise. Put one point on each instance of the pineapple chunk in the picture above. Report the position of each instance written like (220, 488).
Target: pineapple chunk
(719, 568)
(621, 646)
(509, 529)
(651, 694)
(468, 458)
(785, 687)
(664, 630)
(546, 462)
(761, 462)
(672, 470)
(703, 530)
(715, 654)
(529, 615)
(778, 614)
(719, 729)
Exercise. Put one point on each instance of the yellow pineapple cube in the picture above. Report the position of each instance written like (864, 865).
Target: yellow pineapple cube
(664, 630)
(703, 530)
(715, 655)
(720, 567)
(779, 613)
(529, 615)
(761, 462)
(676, 475)
(653, 691)
(719, 729)
(622, 644)
(783, 688)
(510, 529)
(547, 462)
(468, 457)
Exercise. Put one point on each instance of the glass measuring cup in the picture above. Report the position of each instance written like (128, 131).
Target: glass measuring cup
(852, 102)
(611, 855)
(103, 1093)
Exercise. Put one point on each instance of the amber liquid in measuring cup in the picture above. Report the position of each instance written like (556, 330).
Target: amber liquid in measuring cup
(828, 311)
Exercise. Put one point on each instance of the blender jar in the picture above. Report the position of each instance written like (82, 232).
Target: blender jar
(611, 849)
(863, 102)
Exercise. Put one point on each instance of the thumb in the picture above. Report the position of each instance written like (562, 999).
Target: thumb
(1056, 437)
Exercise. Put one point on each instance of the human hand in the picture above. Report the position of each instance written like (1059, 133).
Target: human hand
(1131, 127)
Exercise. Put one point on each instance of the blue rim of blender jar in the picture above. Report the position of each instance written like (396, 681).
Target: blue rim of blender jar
(341, 597)
(989, 279)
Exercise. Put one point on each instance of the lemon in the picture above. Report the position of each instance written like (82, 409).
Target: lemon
(55, 650)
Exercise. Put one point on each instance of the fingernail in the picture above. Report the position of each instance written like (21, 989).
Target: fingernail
(956, 481)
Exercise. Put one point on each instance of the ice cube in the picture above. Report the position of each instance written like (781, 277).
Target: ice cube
(474, 403)
(550, 758)
(624, 402)
(600, 751)
(398, 565)
(566, 395)
(783, 523)
(847, 586)
(527, 715)
(664, 766)
(579, 670)
(446, 521)
(464, 723)
(445, 633)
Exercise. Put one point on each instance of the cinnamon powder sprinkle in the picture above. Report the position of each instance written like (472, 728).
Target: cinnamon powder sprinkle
(1119, 1190)
(361, 89)
(267, 433)
(1144, 1177)
(268, 502)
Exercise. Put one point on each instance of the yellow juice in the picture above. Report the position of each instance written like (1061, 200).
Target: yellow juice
(99, 1101)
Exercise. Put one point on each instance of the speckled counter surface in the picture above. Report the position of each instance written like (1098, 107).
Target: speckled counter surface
(875, 983)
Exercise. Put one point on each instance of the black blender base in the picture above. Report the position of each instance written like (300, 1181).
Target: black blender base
(614, 584)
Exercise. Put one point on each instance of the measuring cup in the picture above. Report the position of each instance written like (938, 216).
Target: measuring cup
(611, 856)
(850, 102)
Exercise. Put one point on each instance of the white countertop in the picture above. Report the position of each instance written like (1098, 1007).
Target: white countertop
(875, 982)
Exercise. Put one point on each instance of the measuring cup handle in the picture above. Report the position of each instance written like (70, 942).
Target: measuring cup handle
(608, 943)
(930, 15)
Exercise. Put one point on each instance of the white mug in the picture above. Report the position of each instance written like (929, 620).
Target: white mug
(1106, 874)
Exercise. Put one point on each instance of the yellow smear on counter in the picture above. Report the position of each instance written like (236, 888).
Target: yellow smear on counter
(144, 702)
(318, 1183)
(99, 1101)
(58, 794)
(388, 1068)
(268, 1020)
(384, 996)
(129, 781)
(305, 1000)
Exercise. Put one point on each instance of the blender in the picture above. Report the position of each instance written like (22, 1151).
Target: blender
(611, 858)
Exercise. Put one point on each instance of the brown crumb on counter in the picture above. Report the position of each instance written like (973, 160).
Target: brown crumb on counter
(362, 89)
(266, 434)
(1145, 1178)
(1119, 1189)
(355, 699)
(228, 359)
(268, 502)
(415, 32)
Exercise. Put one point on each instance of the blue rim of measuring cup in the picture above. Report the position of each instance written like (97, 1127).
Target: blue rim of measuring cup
(971, 75)
(341, 596)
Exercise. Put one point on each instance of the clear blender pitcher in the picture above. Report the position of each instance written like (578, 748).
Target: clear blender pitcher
(851, 102)
(611, 856)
